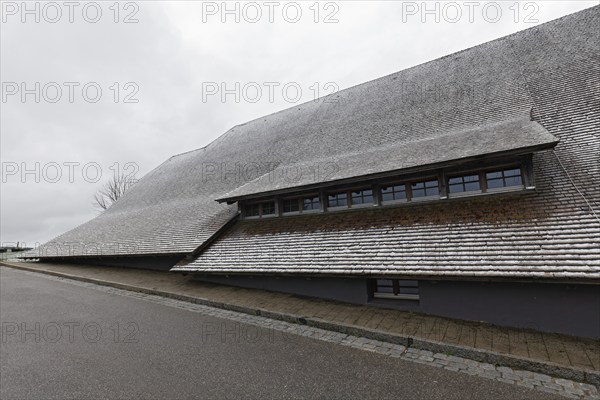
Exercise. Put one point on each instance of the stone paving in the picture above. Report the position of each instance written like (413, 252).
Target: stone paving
(563, 387)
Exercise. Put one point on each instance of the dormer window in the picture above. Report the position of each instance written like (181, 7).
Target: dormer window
(290, 205)
(257, 210)
(465, 183)
(268, 208)
(504, 178)
(474, 179)
(393, 193)
(364, 196)
(252, 210)
(425, 188)
(339, 199)
(298, 205)
(311, 203)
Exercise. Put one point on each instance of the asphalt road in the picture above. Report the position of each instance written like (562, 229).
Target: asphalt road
(92, 344)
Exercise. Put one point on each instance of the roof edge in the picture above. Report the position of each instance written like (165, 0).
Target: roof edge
(390, 173)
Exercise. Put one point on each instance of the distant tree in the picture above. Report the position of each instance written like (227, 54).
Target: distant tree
(113, 190)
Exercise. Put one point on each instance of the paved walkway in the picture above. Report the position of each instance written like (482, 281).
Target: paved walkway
(559, 350)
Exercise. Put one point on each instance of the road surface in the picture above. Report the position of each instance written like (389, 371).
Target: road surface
(61, 340)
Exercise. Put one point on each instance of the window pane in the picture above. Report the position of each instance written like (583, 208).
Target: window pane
(332, 200)
(463, 183)
(290, 205)
(400, 194)
(338, 199)
(432, 191)
(384, 286)
(512, 172)
(268, 208)
(456, 188)
(362, 196)
(397, 192)
(311, 203)
(418, 185)
(418, 192)
(387, 196)
(252, 210)
(508, 177)
(495, 183)
(472, 186)
(404, 287)
(426, 188)
(316, 203)
(513, 181)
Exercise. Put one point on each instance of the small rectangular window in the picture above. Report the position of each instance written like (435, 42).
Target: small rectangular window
(364, 196)
(466, 183)
(425, 188)
(268, 208)
(504, 178)
(290, 205)
(260, 209)
(337, 199)
(311, 203)
(396, 289)
(391, 193)
(252, 210)
(408, 287)
(385, 286)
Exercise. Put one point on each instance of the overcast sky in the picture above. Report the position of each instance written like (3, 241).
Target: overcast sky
(91, 88)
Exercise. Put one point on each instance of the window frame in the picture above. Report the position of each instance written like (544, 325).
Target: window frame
(260, 209)
(465, 193)
(291, 199)
(393, 184)
(300, 204)
(396, 289)
(314, 210)
(336, 193)
(502, 169)
(348, 192)
(409, 189)
(442, 176)
(361, 205)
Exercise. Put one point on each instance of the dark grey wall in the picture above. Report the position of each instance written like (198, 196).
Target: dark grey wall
(572, 309)
(349, 290)
(554, 307)
(159, 263)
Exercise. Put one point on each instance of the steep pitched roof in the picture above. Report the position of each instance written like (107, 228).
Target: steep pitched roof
(548, 73)
(552, 233)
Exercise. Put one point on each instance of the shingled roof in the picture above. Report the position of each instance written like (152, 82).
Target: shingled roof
(513, 136)
(548, 74)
